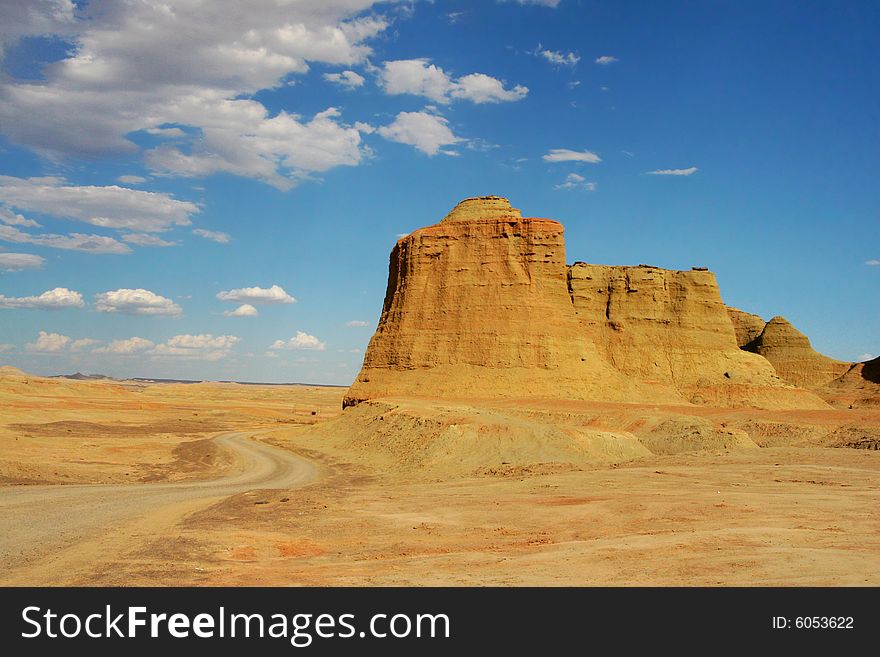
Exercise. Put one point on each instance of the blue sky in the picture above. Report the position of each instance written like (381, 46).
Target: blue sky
(163, 168)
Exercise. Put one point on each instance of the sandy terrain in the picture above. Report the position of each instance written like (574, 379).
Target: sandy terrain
(211, 505)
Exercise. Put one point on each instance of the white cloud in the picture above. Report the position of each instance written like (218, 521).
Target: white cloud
(212, 235)
(59, 297)
(20, 261)
(422, 78)
(125, 347)
(575, 181)
(244, 310)
(604, 60)
(35, 18)
(873, 262)
(567, 155)
(131, 180)
(865, 357)
(257, 295)
(82, 343)
(12, 219)
(558, 58)
(346, 79)
(98, 244)
(673, 172)
(109, 206)
(135, 302)
(302, 341)
(197, 347)
(143, 239)
(48, 343)
(356, 323)
(241, 139)
(426, 132)
(6, 347)
(117, 81)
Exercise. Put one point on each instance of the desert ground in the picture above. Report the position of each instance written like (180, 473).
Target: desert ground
(132, 483)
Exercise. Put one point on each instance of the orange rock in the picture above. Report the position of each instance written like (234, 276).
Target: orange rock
(793, 356)
(482, 305)
(478, 306)
(747, 326)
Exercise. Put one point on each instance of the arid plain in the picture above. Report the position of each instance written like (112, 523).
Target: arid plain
(517, 420)
(740, 516)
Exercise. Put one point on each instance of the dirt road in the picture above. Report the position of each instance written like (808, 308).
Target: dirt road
(49, 533)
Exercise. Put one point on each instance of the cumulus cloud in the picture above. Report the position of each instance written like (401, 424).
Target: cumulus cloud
(82, 343)
(197, 347)
(257, 295)
(422, 78)
(108, 206)
(135, 302)
(144, 239)
(346, 79)
(98, 244)
(673, 172)
(575, 181)
(567, 155)
(425, 131)
(244, 310)
(604, 60)
(865, 357)
(558, 58)
(117, 81)
(12, 219)
(20, 261)
(48, 343)
(356, 323)
(35, 18)
(873, 262)
(212, 235)
(54, 299)
(244, 141)
(300, 341)
(125, 347)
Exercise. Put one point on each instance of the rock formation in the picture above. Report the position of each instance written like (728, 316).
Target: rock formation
(477, 306)
(483, 306)
(747, 326)
(665, 326)
(793, 357)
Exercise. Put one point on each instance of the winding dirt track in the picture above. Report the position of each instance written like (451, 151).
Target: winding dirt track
(48, 533)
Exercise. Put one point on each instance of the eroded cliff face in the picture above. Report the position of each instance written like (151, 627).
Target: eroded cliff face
(793, 357)
(478, 306)
(671, 327)
(747, 326)
(482, 305)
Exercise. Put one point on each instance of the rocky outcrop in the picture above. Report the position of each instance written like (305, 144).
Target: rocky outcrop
(483, 306)
(477, 306)
(858, 387)
(793, 357)
(747, 326)
(669, 327)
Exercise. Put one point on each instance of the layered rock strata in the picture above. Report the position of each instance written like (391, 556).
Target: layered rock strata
(747, 326)
(665, 326)
(483, 306)
(793, 357)
(478, 306)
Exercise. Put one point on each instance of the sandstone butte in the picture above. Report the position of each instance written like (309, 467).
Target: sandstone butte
(483, 306)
